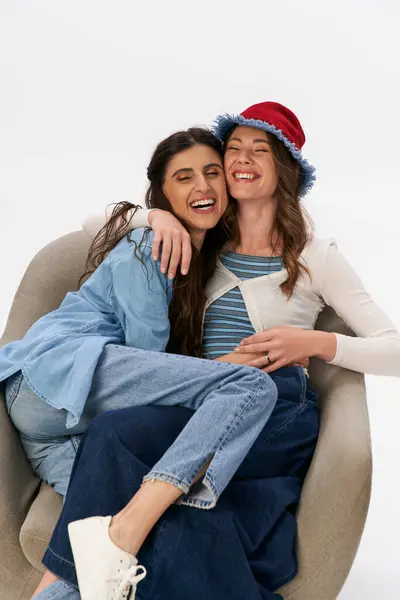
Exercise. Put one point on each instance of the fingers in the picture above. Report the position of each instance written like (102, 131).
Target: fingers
(250, 348)
(260, 362)
(277, 364)
(262, 336)
(186, 254)
(166, 252)
(175, 240)
(175, 256)
(176, 248)
(155, 247)
(305, 362)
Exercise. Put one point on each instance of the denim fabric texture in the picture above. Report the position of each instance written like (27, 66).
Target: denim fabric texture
(232, 403)
(245, 546)
(48, 445)
(125, 301)
(59, 590)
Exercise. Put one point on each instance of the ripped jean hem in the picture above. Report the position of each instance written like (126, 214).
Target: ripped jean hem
(204, 496)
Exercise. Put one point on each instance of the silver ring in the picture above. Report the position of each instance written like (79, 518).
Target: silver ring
(268, 359)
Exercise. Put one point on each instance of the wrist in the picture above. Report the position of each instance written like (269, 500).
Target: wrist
(151, 213)
(324, 345)
(140, 218)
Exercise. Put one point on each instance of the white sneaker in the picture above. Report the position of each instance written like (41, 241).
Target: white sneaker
(104, 571)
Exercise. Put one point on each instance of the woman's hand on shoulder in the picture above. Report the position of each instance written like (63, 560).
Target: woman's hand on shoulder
(175, 240)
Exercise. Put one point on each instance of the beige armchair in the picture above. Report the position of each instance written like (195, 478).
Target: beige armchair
(336, 494)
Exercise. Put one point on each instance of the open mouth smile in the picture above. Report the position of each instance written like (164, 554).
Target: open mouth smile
(245, 177)
(204, 206)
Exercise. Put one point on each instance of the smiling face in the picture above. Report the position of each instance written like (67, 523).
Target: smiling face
(194, 184)
(249, 164)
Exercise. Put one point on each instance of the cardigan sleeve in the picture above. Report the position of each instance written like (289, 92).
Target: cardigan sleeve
(376, 350)
(96, 221)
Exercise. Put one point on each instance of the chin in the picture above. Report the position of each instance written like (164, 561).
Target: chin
(204, 224)
(241, 190)
(208, 223)
(243, 196)
(239, 193)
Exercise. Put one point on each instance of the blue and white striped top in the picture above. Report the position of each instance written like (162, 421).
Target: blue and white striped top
(226, 321)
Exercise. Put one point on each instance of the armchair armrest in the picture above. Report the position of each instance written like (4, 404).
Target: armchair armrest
(18, 486)
(336, 493)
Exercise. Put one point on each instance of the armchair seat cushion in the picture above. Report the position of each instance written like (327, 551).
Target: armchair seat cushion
(39, 524)
(336, 493)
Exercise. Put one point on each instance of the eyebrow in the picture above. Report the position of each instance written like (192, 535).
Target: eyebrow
(190, 170)
(256, 141)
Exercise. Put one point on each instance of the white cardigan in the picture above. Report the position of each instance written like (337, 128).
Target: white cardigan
(376, 350)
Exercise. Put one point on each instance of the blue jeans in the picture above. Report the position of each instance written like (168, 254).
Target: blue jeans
(244, 547)
(232, 403)
(59, 590)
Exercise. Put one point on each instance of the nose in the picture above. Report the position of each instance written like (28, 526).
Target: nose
(243, 157)
(202, 185)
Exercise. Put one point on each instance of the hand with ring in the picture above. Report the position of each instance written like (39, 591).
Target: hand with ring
(278, 347)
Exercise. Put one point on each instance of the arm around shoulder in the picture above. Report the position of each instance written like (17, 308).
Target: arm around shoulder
(96, 221)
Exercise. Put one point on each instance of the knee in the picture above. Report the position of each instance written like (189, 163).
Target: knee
(264, 387)
(268, 385)
(258, 378)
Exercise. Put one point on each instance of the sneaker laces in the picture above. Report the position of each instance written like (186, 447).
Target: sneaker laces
(130, 578)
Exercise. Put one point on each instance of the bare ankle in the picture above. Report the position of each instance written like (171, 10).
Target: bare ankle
(123, 536)
(130, 527)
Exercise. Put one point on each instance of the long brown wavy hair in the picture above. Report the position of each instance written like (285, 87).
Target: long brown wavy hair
(293, 227)
(188, 298)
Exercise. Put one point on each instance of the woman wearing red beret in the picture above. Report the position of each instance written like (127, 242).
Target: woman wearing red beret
(272, 279)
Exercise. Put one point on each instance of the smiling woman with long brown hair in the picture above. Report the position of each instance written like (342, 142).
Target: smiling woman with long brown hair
(105, 348)
(272, 278)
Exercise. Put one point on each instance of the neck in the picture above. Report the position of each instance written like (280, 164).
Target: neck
(197, 237)
(255, 224)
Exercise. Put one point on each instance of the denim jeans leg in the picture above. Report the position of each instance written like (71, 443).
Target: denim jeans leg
(120, 446)
(59, 590)
(232, 404)
(115, 454)
(56, 465)
(48, 445)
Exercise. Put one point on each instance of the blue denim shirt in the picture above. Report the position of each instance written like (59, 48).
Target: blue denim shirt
(125, 301)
